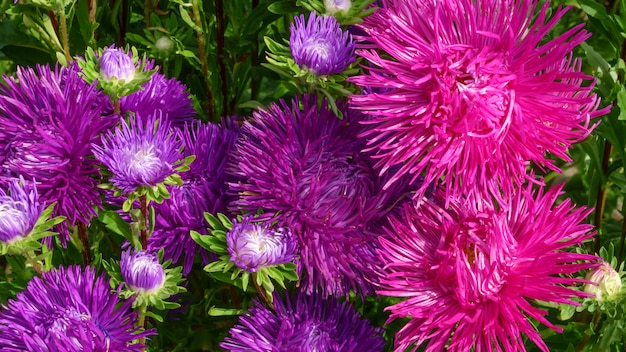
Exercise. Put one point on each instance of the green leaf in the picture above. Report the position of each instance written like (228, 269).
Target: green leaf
(220, 312)
(115, 223)
(283, 7)
(185, 16)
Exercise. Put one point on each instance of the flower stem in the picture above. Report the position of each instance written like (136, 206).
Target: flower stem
(143, 201)
(202, 52)
(262, 292)
(219, 14)
(29, 259)
(589, 332)
(116, 107)
(141, 323)
(84, 239)
(65, 39)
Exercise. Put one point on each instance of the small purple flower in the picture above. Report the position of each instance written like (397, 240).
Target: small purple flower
(139, 155)
(19, 211)
(115, 64)
(142, 271)
(69, 310)
(320, 45)
(303, 324)
(160, 93)
(253, 245)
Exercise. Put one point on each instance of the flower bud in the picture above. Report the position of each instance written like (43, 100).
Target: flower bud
(19, 211)
(142, 271)
(337, 6)
(253, 246)
(164, 44)
(608, 281)
(115, 64)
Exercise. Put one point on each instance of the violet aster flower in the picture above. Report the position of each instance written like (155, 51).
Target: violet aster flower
(142, 272)
(19, 211)
(115, 64)
(320, 45)
(139, 154)
(254, 245)
(69, 310)
(301, 324)
(48, 121)
(203, 190)
(304, 168)
(469, 272)
(475, 94)
(160, 93)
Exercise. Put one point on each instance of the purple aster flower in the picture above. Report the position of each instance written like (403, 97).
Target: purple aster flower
(468, 273)
(203, 190)
(48, 122)
(115, 64)
(475, 92)
(141, 271)
(19, 211)
(160, 93)
(138, 154)
(304, 168)
(302, 324)
(320, 45)
(69, 310)
(254, 245)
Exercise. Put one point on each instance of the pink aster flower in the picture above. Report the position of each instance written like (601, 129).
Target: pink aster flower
(467, 92)
(469, 272)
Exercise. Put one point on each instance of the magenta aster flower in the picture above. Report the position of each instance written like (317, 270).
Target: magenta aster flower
(469, 272)
(69, 310)
(141, 271)
(48, 121)
(320, 45)
(255, 245)
(115, 64)
(473, 93)
(203, 190)
(19, 211)
(304, 323)
(304, 168)
(138, 154)
(160, 93)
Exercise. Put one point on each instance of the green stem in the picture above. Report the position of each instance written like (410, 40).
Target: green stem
(141, 323)
(65, 39)
(262, 292)
(589, 332)
(116, 107)
(601, 194)
(29, 255)
(203, 60)
(143, 201)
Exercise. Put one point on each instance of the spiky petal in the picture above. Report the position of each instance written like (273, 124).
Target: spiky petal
(48, 122)
(304, 323)
(473, 93)
(468, 273)
(70, 310)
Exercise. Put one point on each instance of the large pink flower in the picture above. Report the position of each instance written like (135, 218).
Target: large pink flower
(467, 92)
(470, 271)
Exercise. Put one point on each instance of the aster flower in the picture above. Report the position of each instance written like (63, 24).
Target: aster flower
(475, 95)
(468, 272)
(19, 211)
(70, 310)
(253, 245)
(337, 6)
(138, 154)
(48, 121)
(203, 190)
(604, 282)
(320, 45)
(160, 93)
(304, 168)
(304, 323)
(142, 271)
(115, 64)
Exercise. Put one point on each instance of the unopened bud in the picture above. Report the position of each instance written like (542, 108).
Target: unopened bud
(608, 281)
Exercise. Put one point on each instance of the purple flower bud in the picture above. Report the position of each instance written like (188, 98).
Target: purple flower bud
(320, 45)
(142, 271)
(116, 64)
(337, 6)
(253, 246)
(19, 211)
